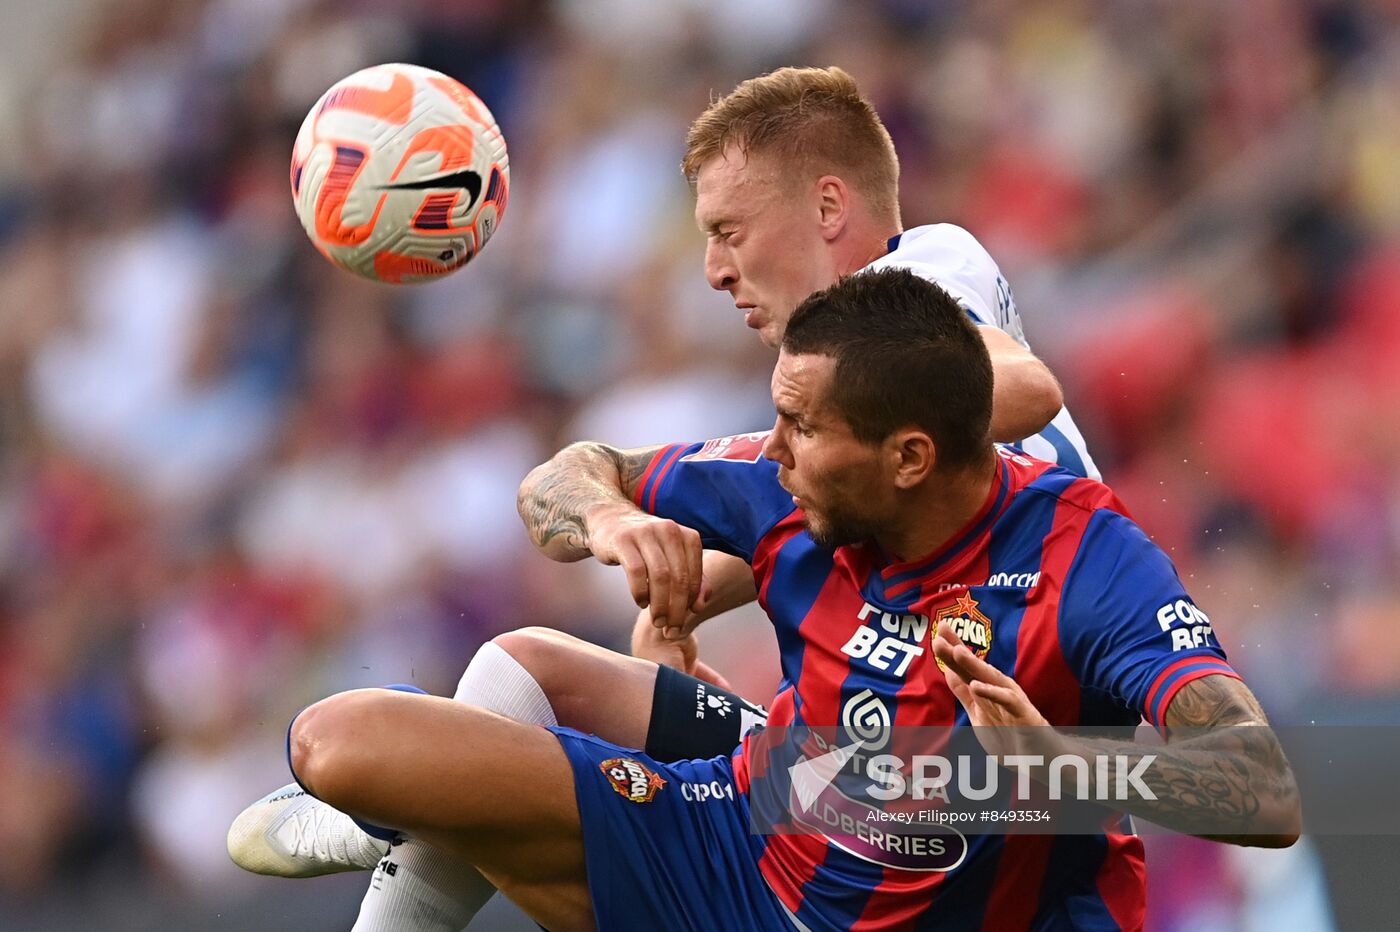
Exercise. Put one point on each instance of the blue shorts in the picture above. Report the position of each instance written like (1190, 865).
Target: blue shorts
(667, 846)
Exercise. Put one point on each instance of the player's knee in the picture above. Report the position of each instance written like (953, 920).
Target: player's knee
(541, 651)
(326, 741)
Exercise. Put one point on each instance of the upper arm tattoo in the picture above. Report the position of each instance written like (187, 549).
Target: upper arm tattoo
(1214, 701)
(632, 465)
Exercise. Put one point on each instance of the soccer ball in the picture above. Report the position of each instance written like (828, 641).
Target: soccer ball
(399, 174)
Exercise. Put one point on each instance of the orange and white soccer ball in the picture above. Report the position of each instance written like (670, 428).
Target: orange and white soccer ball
(400, 174)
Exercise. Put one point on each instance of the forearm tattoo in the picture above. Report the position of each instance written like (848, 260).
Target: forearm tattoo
(555, 497)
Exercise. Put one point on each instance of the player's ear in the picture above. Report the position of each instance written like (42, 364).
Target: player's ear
(914, 456)
(833, 204)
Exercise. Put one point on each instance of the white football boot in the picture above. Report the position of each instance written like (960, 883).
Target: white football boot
(289, 833)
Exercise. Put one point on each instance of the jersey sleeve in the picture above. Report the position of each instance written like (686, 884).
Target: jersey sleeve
(723, 488)
(952, 258)
(1127, 625)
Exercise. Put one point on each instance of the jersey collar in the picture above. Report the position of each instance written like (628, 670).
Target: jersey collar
(898, 580)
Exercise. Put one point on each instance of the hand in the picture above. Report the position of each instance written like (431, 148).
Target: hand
(999, 710)
(727, 584)
(660, 557)
(651, 643)
(701, 610)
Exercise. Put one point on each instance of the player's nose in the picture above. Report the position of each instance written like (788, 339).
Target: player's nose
(776, 450)
(719, 268)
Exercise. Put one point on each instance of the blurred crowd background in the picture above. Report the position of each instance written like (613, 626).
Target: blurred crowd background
(234, 479)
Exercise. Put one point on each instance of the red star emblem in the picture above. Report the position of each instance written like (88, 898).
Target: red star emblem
(965, 605)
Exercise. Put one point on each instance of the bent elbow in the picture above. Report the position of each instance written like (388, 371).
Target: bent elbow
(1291, 823)
(1027, 403)
(1290, 810)
(1050, 397)
(1282, 824)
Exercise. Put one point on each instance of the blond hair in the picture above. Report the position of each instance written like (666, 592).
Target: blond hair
(815, 118)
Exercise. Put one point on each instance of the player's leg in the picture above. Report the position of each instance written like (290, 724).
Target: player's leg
(479, 786)
(585, 687)
(547, 677)
(417, 885)
(670, 715)
(534, 675)
(538, 676)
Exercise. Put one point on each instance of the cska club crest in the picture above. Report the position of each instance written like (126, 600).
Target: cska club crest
(632, 779)
(968, 623)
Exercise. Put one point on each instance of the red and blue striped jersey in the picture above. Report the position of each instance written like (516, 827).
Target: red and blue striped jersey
(1051, 582)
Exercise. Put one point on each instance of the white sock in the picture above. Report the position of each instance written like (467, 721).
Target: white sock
(421, 888)
(495, 680)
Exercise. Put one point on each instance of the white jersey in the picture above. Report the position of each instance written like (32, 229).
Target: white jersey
(951, 258)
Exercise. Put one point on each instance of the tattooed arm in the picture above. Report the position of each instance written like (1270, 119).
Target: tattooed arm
(580, 503)
(1246, 784)
(1222, 774)
(556, 495)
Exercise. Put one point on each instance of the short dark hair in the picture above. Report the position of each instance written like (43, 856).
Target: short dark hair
(906, 355)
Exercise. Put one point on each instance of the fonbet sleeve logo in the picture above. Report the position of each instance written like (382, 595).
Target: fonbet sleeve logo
(632, 779)
(1188, 626)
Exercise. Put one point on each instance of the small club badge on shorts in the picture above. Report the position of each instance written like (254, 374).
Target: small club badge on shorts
(632, 779)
